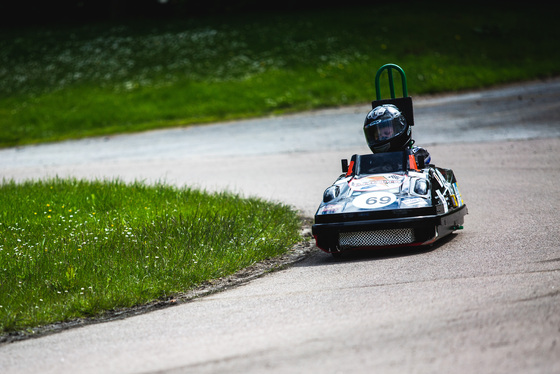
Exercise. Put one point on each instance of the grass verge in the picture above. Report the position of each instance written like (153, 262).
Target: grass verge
(75, 81)
(71, 248)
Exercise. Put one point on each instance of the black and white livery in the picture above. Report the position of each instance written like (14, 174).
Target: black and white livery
(393, 197)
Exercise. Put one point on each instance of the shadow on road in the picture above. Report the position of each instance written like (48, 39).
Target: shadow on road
(320, 258)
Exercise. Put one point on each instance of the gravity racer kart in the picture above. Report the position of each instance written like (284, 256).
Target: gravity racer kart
(388, 199)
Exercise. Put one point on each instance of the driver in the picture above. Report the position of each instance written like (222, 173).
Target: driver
(386, 130)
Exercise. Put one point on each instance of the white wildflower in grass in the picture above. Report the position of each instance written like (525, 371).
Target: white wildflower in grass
(124, 59)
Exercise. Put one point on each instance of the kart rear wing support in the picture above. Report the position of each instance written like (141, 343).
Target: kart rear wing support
(403, 103)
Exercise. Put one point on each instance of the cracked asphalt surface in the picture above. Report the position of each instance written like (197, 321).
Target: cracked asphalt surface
(485, 300)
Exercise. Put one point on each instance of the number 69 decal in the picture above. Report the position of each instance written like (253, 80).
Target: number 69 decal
(374, 200)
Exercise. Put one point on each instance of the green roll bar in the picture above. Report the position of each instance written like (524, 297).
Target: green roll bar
(404, 103)
(389, 68)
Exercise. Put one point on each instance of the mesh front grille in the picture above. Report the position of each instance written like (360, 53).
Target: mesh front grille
(376, 238)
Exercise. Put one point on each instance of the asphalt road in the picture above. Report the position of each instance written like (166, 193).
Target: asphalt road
(487, 300)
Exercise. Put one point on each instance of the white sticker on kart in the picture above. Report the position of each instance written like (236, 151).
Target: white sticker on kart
(377, 182)
(374, 200)
(330, 209)
(414, 203)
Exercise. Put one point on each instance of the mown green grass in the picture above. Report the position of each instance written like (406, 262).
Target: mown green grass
(72, 248)
(76, 81)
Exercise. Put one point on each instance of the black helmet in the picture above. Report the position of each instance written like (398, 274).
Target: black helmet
(386, 129)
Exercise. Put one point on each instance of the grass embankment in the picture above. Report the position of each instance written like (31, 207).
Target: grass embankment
(71, 249)
(70, 82)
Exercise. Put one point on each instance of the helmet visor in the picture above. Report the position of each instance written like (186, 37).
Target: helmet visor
(385, 129)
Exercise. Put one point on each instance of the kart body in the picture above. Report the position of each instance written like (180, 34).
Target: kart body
(388, 199)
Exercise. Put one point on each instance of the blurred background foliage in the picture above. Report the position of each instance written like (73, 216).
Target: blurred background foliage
(70, 69)
(47, 12)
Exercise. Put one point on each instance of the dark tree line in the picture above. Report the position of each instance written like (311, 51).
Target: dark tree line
(28, 12)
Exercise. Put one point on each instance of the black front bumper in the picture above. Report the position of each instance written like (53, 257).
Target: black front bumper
(424, 229)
